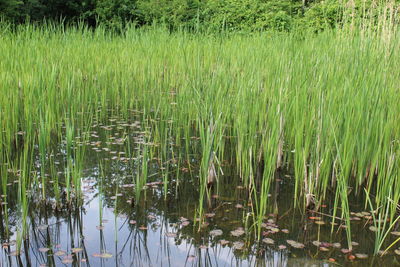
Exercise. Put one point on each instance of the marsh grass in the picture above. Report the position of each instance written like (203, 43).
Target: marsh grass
(323, 106)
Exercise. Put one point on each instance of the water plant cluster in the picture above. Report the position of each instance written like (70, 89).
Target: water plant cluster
(323, 109)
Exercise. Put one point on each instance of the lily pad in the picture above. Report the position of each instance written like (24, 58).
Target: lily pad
(76, 250)
(268, 241)
(295, 244)
(361, 256)
(216, 232)
(67, 260)
(106, 255)
(373, 228)
(316, 243)
(60, 253)
(238, 232)
(223, 242)
(238, 245)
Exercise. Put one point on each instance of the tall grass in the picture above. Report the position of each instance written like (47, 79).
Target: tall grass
(325, 106)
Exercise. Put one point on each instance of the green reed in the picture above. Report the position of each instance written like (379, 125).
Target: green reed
(324, 107)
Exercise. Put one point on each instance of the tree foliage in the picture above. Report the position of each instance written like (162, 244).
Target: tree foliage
(215, 15)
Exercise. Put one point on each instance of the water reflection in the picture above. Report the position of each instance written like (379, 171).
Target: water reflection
(113, 226)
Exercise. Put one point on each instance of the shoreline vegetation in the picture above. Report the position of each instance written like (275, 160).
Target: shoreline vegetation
(323, 107)
(209, 16)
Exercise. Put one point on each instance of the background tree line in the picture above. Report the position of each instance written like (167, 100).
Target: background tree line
(237, 15)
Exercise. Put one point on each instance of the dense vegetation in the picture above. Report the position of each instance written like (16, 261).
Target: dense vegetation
(324, 107)
(214, 15)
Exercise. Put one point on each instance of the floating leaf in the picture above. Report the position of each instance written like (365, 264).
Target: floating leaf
(382, 252)
(60, 253)
(106, 255)
(223, 242)
(295, 244)
(67, 260)
(76, 250)
(282, 247)
(373, 228)
(44, 250)
(238, 232)
(216, 232)
(205, 224)
(238, 245)
(345, 250)
(316, 243)
(268, 241)
(361, 256)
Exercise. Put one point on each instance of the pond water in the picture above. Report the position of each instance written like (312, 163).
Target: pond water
(115, 225)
